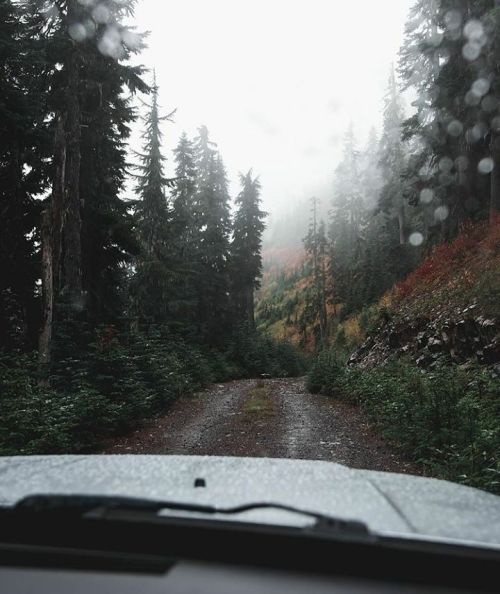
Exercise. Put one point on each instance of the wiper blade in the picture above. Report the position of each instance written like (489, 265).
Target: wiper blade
(101, 504)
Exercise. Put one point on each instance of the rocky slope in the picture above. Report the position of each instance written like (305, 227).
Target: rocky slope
(449, 307)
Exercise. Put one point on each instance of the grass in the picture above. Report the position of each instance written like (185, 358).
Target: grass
(259, 401)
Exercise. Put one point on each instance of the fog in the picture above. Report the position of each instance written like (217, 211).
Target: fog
(275, 81)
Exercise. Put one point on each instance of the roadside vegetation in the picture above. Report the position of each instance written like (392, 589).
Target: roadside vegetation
(118, 382)
(432, 387)
(446, 419)
(114, 300)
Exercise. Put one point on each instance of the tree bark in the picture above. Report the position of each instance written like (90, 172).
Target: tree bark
(495, 175)
(45, 340)
(402, 223)
(51, 230)
(58, 200)
(72, 286)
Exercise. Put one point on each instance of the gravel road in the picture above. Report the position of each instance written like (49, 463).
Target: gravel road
(275, 418)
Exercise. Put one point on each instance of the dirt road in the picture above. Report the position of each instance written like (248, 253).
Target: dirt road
(274, 418)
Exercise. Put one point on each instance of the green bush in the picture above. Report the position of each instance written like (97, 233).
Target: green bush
(255, 354)
(325, 373)
(113, 381)
(446, 419)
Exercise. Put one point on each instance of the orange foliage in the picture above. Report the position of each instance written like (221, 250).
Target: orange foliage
(455, 261)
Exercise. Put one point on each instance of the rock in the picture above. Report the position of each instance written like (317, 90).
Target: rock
(488, 324)
(491, 353)
(423, 361)
(434, 345)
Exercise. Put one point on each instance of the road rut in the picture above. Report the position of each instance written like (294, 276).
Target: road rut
(274, 418)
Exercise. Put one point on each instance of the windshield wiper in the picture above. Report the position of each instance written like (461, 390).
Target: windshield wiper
(100, 505)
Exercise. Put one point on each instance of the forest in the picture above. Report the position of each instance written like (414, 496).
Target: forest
(111, 305)
(399, 282)
(123, 288)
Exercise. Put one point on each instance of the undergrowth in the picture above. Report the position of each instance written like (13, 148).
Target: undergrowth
(446, 419)
(108, 387)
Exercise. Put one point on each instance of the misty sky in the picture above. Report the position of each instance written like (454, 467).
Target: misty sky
(275, 81)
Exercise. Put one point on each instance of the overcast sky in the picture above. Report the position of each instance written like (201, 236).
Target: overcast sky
(275, 81)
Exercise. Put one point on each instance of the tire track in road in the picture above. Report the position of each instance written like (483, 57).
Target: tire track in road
(274, 418)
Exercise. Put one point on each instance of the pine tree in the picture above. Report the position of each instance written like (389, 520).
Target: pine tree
(186, 230)
(246, 257)
(23, 171)
(445, 57)
(153, 217)
(88, 232)
(315, 244)
(392, 159)
(212, 204)
(347, 220)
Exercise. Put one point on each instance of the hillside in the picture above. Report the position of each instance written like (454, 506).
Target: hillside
(424, 362)
(449, 306)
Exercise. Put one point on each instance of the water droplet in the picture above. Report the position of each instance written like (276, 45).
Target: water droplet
(476, 133)
(101, 14)
(90, 28)
(486, 166)
(416, 239)
(474, 30)
(471, 51)
(77, 32)
(445, 164)
(131, 40)
(462, 163)
(453, 20)
(110, 43)
(441, 213)
(455, 128)
(481, 86)
(427, 196)
(472, 98)
(489, 103)
(495, 124)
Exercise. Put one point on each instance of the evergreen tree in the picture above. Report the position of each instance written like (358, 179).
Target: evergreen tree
(87, 233)
(23, 172)
(212, 204)
(346, 225)
(315, 244)
(246, 258)
(186, 230)
(152, 280)
(392, 159)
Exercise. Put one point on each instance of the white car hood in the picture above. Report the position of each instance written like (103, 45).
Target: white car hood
(391, 504)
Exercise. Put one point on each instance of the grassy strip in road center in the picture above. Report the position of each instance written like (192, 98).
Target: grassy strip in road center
(259, 401)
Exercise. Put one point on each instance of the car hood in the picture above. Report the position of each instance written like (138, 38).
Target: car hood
(390, 504)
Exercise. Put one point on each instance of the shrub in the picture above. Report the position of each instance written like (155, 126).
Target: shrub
(256, 354)
(325, 374)
(447, 419)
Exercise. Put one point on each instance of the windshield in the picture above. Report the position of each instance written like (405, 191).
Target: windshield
(265, 229)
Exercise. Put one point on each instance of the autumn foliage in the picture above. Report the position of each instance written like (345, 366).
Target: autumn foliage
(454, 264)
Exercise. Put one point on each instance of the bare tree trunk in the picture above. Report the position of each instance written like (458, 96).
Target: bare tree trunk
(44, 345)
(72, 286)
(58, 200)
(51, 229)
(402, 223)
(495, 175)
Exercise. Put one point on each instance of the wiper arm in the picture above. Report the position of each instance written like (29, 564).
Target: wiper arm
(100, 505)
